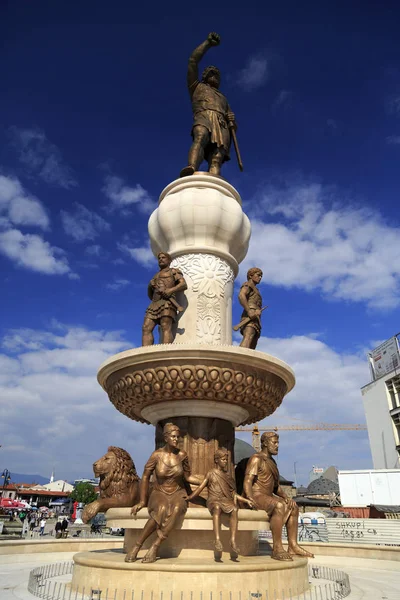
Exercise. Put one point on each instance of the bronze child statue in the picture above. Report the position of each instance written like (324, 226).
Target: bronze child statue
(163, 308)
(222, 498)
(261, 485)
(213, 121)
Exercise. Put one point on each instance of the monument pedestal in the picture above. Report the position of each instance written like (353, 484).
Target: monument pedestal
(200, 222)
(194, 537)
(188, 567)
(207, 387)
(189, 579)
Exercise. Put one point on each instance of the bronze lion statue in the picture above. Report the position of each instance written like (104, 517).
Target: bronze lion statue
(119, 483)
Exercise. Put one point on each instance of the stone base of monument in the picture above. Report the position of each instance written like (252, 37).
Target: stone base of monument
(189, 579)
(188, 566)
(194, 537)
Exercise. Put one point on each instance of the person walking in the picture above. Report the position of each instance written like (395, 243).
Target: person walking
(32, 522)
(42, 526)
(58, 529)
(64, 527)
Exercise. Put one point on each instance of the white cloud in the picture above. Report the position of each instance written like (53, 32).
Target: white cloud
(283, 100)
(393, 140)
(34, 253)
(118, 284)
(53, 411)
(143, 255)
(94, 250)
(255, 73)
(41, 157)
(327, 390)
(83, 224)
(393, 104)
(315, 242)
(50, 396)
(123, 196)
(20, 207)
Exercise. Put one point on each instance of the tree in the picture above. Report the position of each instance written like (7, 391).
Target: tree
(83, 492)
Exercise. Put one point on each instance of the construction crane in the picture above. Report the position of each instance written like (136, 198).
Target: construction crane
(309, 427)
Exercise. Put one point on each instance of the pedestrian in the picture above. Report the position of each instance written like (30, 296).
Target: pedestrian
(64, 527)
(58, 529)
(42, 526)
(32, 521)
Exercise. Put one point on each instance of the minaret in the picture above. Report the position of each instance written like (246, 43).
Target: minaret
(52, 476)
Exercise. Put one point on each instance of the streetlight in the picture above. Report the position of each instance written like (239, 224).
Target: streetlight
(6, 475)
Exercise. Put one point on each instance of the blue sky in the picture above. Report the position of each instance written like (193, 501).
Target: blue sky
(95, 121)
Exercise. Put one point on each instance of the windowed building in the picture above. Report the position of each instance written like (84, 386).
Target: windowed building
(381, 400)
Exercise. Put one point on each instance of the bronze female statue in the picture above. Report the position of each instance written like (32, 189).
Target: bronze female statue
(167, 502)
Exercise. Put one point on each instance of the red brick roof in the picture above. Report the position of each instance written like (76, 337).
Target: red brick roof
(33, 492)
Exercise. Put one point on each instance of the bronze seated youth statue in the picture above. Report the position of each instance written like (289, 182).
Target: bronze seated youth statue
(222, 498)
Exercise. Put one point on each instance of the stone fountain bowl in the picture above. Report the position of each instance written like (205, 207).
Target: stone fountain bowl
(150, 383)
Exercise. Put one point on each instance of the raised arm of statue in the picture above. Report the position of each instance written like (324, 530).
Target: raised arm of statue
(213, 39)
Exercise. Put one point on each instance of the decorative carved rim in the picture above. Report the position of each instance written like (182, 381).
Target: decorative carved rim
(144, 377)
(201, 179)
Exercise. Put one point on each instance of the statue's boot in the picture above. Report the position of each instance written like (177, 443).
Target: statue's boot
(299, 551)
(281, 555)
(189, 170)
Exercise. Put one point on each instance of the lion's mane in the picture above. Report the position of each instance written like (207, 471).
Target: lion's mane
(121, 477)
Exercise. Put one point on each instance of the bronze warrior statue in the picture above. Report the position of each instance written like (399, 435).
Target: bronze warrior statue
(222, 498)
(167, 502)
(163, 308)
(213, 121)
(261, 485)
(250, 299)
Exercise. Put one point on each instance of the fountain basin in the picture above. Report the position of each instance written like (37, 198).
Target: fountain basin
(148, 384)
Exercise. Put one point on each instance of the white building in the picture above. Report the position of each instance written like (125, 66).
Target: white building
(381, 400)
(55, 486)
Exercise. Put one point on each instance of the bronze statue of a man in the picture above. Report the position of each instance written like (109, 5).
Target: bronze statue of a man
(163, 307)
(213, 119)
(250, 299)
(261, 485)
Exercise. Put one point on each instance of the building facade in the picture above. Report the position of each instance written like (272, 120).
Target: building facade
(381, 400)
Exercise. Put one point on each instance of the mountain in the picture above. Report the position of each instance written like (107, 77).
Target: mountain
(21, 478)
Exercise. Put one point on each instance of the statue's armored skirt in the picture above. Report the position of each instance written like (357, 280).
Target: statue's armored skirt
(167, 501)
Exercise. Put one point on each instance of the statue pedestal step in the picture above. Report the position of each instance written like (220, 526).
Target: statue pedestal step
(255, 577)
(194, 538)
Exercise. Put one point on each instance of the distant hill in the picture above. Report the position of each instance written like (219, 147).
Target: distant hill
(21, 478)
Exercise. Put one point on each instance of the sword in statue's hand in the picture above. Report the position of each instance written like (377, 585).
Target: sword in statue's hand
(232, 129)
(174, 303)
(246, 320)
